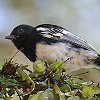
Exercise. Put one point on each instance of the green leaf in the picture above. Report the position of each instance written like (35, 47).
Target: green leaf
(88, 92)
(8, 81)
(65, 88)
(58, 95)
(47, 95)
(25, 77)
(56, 89)
(36, 74)
(96, 89)
(7, 98)
(74, 98)
(21, 73)
(39, 66)
(73, 83)
(58, 74)
(36, 96)
(43, 95)
(56, 65)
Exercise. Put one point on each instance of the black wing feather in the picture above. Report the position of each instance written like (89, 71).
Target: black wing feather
(58, 33)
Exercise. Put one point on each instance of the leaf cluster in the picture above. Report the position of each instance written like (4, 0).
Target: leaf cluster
(44, 82)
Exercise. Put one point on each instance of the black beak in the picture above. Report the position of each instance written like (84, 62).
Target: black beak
(11, 37)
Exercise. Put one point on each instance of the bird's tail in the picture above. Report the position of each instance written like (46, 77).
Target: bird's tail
(97, 61)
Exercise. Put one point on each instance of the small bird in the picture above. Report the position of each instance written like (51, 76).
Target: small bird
(51, 43)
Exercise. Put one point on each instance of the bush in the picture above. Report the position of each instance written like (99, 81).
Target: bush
(45, 82)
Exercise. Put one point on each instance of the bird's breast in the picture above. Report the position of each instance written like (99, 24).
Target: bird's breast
(51, 53)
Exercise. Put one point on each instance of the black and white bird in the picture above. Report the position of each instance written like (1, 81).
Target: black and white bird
(51, 42)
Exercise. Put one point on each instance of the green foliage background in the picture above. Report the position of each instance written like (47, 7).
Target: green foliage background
(44, 83)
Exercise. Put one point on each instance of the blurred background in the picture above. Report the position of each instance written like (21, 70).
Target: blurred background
(81, 17)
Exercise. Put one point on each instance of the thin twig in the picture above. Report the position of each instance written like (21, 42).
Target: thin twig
(28, 70)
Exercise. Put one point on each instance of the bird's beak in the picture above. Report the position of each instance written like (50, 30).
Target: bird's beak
(11, 37)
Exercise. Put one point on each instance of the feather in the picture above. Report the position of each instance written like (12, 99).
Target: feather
(62, 35)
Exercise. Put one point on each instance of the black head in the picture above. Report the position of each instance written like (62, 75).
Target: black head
(20, 34)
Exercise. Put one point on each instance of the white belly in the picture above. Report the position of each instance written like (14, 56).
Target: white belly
(61, 51)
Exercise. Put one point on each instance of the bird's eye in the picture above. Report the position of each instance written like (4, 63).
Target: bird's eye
(20, 31)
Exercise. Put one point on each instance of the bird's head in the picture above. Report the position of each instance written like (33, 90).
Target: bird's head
(20, 34)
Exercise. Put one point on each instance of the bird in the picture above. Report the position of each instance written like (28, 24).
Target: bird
(50, 43)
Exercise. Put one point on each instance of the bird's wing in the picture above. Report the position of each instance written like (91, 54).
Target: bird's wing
(58, 33)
